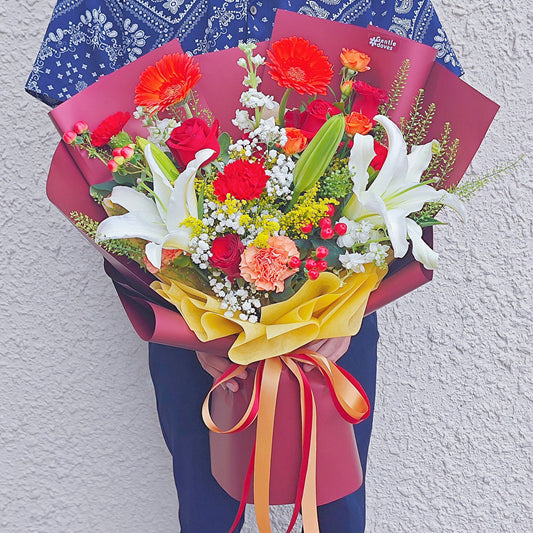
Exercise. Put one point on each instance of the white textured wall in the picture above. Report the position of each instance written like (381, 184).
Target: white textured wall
(80, 447)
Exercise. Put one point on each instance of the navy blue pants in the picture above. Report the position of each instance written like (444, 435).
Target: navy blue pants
(181, 385)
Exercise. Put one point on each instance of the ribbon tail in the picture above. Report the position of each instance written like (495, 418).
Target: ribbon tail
(264, 435)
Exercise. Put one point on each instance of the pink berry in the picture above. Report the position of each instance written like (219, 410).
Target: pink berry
(80, 127)
(294, 262)
(322, 252)
(313, 274)
(127, 152)
(112, 165)
(331, 210)
(325, 222)
(327, 233)
(310, 264)
(69, 137)
(119, 160)
(341, 228)
(321, 265)
(117, 152)
(308, 228)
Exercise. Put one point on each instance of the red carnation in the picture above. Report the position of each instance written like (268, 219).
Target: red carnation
(368, 99)
(243, 180)
(108, 128)
(226, 255)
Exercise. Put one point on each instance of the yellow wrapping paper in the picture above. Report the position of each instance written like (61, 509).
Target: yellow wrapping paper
(323, 308)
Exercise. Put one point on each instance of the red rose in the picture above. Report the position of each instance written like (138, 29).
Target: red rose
(226, 255)
(108, 128)
(368, 99)
(381, 154)
(243, 180)
(192, 136)
(313, 118)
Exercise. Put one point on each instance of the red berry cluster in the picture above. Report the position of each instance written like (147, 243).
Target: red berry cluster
(120, 155)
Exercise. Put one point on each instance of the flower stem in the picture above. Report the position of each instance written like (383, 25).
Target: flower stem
(282, 106)
(188, 111)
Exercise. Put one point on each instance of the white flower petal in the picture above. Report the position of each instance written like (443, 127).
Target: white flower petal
(153, 253)
(131, 225)
(395, 165)
(418, 160)
(421, 251)
(455, 203)
(162, 187)
(133, 200)
(361, 155)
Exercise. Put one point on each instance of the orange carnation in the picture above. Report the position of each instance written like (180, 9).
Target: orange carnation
(355, 60)
(167, 82)
(267, 268)
(297, 64)
(296, 141)
(357, 123)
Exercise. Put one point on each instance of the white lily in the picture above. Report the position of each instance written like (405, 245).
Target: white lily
(396, 192)
(158, 220)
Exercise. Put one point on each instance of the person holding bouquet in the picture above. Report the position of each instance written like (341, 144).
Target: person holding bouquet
(92, 38)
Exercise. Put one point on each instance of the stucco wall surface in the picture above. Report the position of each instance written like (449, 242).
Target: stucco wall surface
(80, 446)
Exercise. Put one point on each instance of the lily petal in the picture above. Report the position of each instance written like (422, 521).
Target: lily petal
(361, 155)
(395, 165)
(131, 225)
(418, 160)
(133, 200)
(421, 251)
(162, 187)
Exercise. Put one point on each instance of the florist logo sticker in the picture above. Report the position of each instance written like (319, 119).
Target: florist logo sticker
(379, 42)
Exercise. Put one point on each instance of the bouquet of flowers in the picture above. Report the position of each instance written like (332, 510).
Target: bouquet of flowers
(276, 236)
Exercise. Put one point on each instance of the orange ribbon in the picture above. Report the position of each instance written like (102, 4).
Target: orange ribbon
(350, 401)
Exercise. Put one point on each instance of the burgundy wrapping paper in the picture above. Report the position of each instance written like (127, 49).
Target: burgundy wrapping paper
(338, 466)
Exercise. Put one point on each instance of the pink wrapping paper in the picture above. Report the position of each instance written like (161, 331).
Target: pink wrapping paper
(338, 466)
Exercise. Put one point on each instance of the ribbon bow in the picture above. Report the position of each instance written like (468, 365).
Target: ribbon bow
(349, 399)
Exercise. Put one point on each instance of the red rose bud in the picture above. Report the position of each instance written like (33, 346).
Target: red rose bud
(80, 127)
(69, 137)
(322, 252)
(327, 233)
(313, 274)
(341, 228)
(294, 262)
(325, 222)
(308, 228)
(112, 165)
(127, 152)
(331, 210)
(117, 152)
(226, 255)
(119, 160)
(321, 265)
(310, 264)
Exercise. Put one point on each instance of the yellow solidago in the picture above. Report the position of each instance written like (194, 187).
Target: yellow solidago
(261, 241)
(308, 210)
(197, 226)
(233, 205)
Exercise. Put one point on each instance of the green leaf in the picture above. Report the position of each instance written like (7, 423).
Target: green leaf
(101, 190)
(224, 140)
(424, 222)
(120, 140)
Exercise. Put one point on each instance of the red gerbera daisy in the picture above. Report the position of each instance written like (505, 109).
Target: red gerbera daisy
(167, 82)
(297, 64)
(109, 127)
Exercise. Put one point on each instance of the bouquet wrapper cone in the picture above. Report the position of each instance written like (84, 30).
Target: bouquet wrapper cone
(338, 467)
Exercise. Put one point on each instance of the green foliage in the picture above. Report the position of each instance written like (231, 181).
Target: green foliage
(337, 183)
(415, 128)
(442, 163)
(396, 90)
(131, 248)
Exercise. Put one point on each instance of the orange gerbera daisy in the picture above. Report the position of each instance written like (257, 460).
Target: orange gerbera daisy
(297, 64)
(167, 82)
